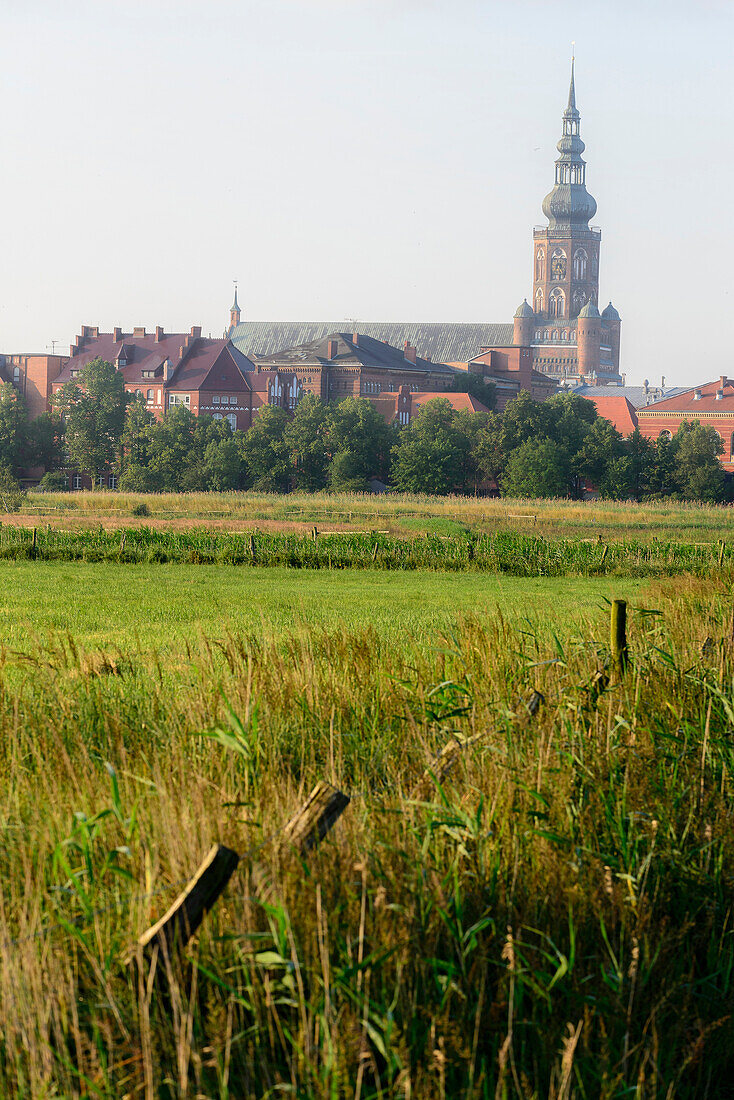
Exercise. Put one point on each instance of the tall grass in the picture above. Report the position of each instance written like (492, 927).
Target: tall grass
(554, 920)
(666, 519)
(512, 552)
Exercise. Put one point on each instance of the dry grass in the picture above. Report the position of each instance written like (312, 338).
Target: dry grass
(555, 920)
(393, 512)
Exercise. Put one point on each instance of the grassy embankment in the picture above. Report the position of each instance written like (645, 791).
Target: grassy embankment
(555, 920)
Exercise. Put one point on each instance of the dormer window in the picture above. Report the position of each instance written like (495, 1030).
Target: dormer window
(73, 373)
(122, 362)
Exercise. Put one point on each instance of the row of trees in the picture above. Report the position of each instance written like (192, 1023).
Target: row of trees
(538, 449)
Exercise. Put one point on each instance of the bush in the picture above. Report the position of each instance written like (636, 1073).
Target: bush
(55, 481)
(141, 509)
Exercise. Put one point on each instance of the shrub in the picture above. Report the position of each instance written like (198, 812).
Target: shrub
(56, 481)
(141, 509)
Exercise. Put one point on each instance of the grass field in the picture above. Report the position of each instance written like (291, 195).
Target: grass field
(161, 607)
(552, 919)
(394, 513)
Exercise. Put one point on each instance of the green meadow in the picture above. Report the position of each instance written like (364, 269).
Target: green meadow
(163, 606)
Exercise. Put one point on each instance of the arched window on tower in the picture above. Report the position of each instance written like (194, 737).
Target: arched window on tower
(539, 264)
(666, 435)
(579, 264)
(557, 303)
(539, 300)
(595, 265)
(558, 265)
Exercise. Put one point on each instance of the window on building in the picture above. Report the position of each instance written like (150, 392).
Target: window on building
(138, 393)
(179, 399)
(149, 397)
(232, 418)
(113, 481)
(216, 399)
(665, 434)
(73, 373)
(76, 482)
(557, 303)
(122, 363)
(16, 374)
(101, 482)
(580, 259)
(217, 416)
(148, 374)
(539, 263)
(558, 265)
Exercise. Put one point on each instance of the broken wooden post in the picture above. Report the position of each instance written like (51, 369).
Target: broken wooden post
(252, 549)
(314, 532)
(452, 751)
(323, 808)
(620, 652)
(178, 924)
(34, 548)
(122, 542)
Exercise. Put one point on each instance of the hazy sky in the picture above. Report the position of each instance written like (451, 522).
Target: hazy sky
(368, 159)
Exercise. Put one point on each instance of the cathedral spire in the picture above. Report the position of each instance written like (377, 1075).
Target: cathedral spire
(569, 203)
(572, 89)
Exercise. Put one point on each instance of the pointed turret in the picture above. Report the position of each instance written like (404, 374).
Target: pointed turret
(234, 312)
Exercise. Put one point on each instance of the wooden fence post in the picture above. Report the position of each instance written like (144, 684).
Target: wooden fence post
(323, 808)
(620, 652)
(178, 924)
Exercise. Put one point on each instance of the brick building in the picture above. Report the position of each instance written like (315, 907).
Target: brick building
(711, 404)
(345, 364)
(404, 405)
(170, 369)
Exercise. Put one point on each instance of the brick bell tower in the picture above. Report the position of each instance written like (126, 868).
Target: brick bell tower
(566, 254)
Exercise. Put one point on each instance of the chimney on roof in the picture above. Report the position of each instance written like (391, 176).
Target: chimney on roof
(80, 339)
(409, 351)
(181, 352)
(158, 333)
(355, 339)
(723, 381)
(139, 333)
(696, 395)
(195, 331)
(116, 335)
(645, 386)
(167, 370)
(331, 346)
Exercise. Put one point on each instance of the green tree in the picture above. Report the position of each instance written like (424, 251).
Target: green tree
(602, 446)
(137, 434)
(306, 438)
(265, 450)
(433, 452)
(698, 473)
(536, 469)
(171, 444)
(11, 494)
(641, 454)
(475, 384)
(93, 408)
(488, 453)
(222, 466)
(360, 442)
(14, 430)
(47, 441)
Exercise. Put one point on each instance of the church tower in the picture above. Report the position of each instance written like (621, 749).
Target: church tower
(566, 254)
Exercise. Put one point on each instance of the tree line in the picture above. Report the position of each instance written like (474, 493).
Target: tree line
(551, 448)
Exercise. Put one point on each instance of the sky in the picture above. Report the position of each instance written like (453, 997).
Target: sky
(360, 160)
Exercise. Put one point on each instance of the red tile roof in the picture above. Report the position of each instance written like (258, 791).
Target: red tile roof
(688, 403)
(617, 409)
(460, 402)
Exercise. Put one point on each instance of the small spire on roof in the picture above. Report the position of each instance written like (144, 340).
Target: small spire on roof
(572, 88)
(235, 304)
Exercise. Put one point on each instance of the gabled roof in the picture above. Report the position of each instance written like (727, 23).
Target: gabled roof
(366, 352)
(686, 402)
(387, 403)
(208, 364)
(618, 410)
(443, 343)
